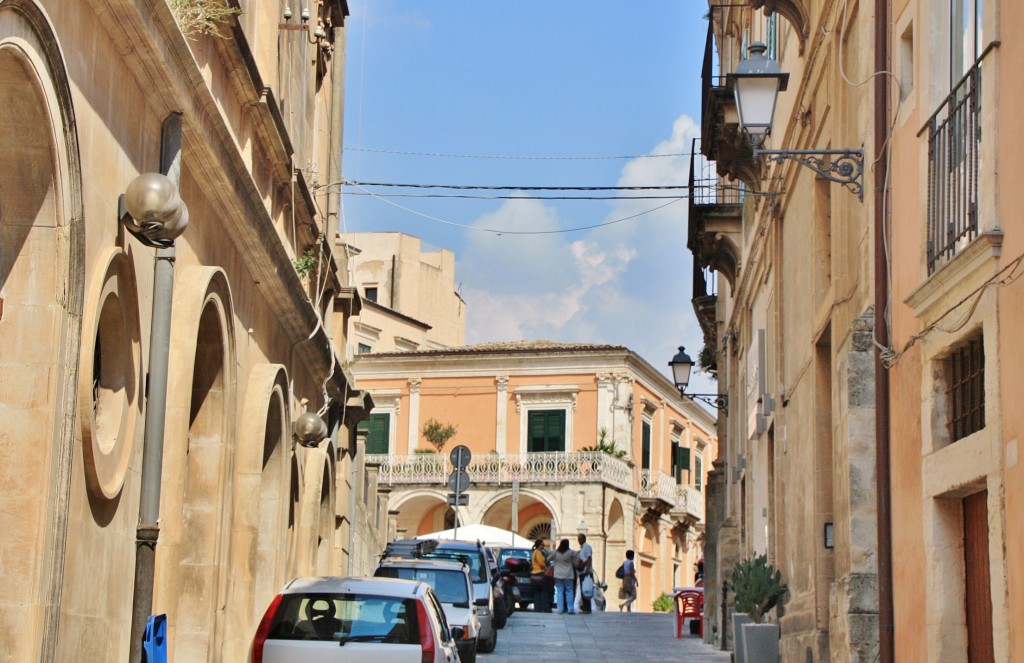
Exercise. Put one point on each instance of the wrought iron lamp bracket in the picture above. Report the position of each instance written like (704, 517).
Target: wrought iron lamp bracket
(717, 401)
(843, 166)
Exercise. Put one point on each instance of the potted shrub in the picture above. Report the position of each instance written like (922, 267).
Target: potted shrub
(758, 587)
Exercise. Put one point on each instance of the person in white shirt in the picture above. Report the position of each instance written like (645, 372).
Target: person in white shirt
(585, 569)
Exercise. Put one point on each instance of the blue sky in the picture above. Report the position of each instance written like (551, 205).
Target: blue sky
(501, 84)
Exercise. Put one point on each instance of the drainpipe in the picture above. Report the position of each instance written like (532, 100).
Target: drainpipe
(882, 457)
(331, 223)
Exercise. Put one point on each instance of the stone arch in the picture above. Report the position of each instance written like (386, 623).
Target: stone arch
(420, 512)
(261, 499)
(325, 519)
(794, 11)
(534, 508)
(41, 293)
(198, 471)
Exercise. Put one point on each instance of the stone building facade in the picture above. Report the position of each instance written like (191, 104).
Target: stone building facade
(533, 415)
(784, 292)
(888, 304)
(247, 122)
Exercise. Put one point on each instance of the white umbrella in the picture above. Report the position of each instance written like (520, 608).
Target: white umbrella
(493, 537)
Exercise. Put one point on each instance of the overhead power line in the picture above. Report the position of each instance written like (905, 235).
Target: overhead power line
(466, 196)
(517, 158)
(516, 188)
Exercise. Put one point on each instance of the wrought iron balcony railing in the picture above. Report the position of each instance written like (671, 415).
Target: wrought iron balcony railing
(533, 467)
(954, 143)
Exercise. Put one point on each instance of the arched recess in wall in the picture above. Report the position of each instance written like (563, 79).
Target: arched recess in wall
(260, 528)
(615, 526)
(42, 284)
(794, 11)
(198, 475)
(326, 520)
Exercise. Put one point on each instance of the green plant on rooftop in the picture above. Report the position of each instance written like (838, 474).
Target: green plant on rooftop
(202, 17)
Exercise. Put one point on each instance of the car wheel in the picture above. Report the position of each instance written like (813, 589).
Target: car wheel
(488, 645)
(500, 613)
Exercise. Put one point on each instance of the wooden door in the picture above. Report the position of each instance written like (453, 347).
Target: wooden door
(977, 594)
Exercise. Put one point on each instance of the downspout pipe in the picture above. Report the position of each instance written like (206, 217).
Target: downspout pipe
(332, 222)
(883, 493)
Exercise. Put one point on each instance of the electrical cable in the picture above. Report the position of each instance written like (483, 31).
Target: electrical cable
(516, 158)
(465, 196)
(506, 187)
(519, 232)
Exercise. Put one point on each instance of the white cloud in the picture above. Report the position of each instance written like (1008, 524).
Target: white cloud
(626, 283)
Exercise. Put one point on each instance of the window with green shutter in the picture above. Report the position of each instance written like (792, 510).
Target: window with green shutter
(378, 433)
(645, 448)
(545, 430)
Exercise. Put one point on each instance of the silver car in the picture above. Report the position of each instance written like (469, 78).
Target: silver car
(342, 620)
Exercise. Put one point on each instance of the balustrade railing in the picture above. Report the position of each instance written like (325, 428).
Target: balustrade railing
(658, 485)
(547, 466)
(690, 500)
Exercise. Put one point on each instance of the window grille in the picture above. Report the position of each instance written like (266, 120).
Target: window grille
(965, 379)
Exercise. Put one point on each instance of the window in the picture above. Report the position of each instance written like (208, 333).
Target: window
(364, 349)
(546, 430)
(677, 471)
(698, 471)
(379, 433)
(965, 34)
(645, 448)
(371, 293)
(965, 382)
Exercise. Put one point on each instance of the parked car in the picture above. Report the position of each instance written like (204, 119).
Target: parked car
(483, 585)
(453, 586)
(504, 590)
(342, 620)
(518, 562)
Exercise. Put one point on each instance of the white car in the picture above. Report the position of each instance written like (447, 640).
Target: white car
(342, 620)
(453, 585)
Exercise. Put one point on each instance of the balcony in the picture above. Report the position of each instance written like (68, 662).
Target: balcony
(954, 143)
(722, 141)
(657, 491)
(715, 228)
(689, 504)
(498, 469)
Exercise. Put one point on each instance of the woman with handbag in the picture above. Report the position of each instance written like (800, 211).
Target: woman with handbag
(539, 578)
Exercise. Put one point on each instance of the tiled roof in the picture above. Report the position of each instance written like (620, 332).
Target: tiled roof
(508, 346)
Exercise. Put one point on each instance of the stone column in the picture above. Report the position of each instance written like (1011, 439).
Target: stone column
(501, 426)
(414, 414)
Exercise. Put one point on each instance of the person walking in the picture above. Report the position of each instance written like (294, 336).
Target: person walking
(564, 561)
(539, 579)
(628, 590)
(585, 568)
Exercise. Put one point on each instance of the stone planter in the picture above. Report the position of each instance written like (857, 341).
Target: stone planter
(738, 620)
(760, 643)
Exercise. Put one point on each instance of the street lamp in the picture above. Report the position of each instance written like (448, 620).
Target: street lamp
(582, 527)
(682, 365)
(310, 429)
(756, 84)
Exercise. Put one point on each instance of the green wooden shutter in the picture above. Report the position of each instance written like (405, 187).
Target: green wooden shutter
(378, 433)
(545, 430)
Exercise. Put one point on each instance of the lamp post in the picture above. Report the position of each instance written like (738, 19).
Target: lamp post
(756, 84)
(151, 210)
(682, 365)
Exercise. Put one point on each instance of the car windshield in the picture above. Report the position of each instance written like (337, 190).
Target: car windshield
(474, 557)
(513, 553)
(449, 585)
(346, 617)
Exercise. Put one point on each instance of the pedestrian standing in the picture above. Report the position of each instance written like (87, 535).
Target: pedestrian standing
(628, 590)
(585, 568)
(564, 562)
(539, 579)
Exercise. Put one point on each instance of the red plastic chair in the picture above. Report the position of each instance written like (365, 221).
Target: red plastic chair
(689, 604)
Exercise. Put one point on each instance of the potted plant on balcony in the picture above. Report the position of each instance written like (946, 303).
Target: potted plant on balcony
(758, 587)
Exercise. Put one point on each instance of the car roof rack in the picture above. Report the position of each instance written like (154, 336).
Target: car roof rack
(409, 548)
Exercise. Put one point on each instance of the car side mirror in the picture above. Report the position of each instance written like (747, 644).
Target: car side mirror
(458, 632)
